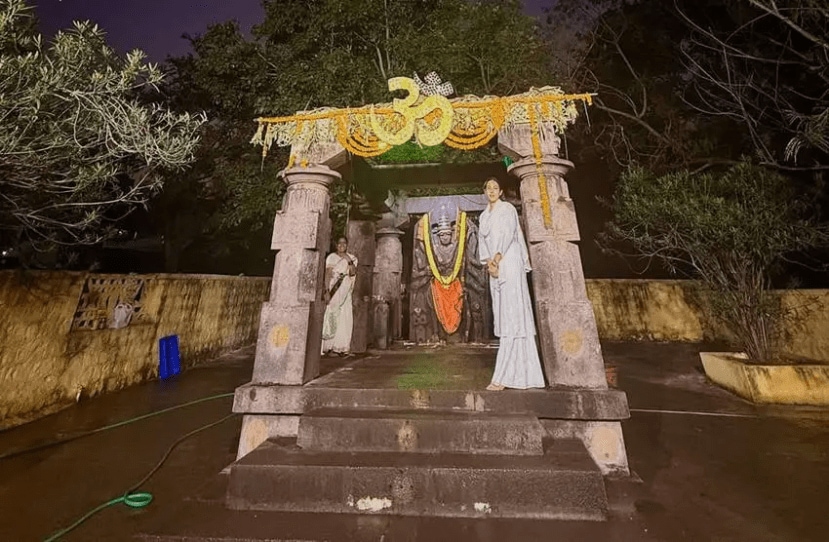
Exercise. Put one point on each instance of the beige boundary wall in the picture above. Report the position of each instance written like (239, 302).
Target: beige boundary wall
(673, 310)
(45, 360)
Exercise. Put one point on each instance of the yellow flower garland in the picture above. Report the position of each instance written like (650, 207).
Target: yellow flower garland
(474, 122)
(464, 123)
(430, 255)
(539, 168)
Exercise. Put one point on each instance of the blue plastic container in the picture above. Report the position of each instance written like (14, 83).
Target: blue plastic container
(169, 360)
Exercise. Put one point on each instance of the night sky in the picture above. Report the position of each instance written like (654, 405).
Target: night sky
(156, 26)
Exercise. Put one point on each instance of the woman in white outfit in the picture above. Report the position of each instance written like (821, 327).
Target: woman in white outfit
(340, 272)
(503, 249)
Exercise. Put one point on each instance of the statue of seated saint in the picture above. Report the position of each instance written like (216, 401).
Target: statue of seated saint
(448, 291)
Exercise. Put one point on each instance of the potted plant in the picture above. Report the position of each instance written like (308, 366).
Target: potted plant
(732, 231)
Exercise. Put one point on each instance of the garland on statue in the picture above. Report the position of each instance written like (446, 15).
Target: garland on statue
(430, 255)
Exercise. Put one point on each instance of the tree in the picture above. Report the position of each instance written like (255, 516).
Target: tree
(80, 145)
(628, 53)
(765, 67)
(335, 53)
(731, 230)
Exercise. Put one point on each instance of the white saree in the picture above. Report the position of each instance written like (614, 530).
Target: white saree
(517, 365)
(339, 313)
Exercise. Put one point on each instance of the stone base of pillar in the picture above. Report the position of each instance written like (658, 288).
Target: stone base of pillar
(603, 440)
(381, 319)
(289, 344)
(256, 429)
(572, 339)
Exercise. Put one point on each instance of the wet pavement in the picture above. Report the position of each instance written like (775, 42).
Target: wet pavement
(713, 466)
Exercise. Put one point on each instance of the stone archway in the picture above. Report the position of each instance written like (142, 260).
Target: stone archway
(288, 347)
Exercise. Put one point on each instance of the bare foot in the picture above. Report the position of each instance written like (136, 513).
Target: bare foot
(494, 387)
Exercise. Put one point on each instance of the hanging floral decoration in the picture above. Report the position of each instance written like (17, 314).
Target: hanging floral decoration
(466, 123)
(445, 281)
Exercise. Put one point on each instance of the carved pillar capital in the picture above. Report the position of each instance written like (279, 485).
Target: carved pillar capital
(516, 141)
(320, 175)
(564, 226)
(551, 165)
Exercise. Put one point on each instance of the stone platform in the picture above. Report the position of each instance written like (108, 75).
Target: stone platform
(413, 432)
(446, 381)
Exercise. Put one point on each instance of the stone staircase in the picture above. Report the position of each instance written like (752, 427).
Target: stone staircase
(420, 462)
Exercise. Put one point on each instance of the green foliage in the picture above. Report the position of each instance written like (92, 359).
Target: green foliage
(412, 153)
(732, 230)
(337, 53)
(79, 148)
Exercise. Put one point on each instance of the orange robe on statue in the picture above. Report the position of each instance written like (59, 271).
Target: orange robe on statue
(448, 302)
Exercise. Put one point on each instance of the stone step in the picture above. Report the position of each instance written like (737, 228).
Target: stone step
(199, 522)
(424, 431)
(564, 483)
(558, 404)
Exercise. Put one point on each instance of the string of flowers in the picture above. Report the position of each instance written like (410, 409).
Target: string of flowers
(544, 195)
(465, 123)
(430, 256)
(474, 123)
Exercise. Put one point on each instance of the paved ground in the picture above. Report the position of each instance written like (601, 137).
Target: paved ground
(714, 467)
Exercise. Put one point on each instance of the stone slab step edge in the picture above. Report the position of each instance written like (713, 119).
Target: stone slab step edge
(563, 485)
(419, 431)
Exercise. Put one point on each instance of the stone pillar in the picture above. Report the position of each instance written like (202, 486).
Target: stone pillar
(362, 244)
(564, 315)
(388, 270)
(290, 327)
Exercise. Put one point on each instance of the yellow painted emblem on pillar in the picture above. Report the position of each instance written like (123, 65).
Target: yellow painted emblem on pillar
(572, 341)
(280, 335)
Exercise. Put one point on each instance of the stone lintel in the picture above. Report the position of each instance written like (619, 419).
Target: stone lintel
(561, 404)
(467, 202)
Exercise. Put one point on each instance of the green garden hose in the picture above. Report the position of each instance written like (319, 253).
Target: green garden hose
(132, 498)
(111, 426)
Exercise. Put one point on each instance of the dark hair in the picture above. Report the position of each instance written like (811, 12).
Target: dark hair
(492, 179)
(341, 238)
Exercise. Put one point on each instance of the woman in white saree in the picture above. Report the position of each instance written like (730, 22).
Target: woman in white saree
(340, 272)
(503, 249)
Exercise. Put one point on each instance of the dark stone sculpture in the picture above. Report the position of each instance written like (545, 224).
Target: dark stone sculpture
(445, 307)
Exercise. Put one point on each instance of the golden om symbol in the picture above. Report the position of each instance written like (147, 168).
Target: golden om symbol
(413, 116)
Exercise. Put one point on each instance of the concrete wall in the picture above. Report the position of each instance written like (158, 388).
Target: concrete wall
(44, 363)
(669, 310)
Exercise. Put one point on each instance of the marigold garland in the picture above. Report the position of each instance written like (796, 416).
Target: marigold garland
(430, 255)
(475, 121)
(467, 123)
(539, 168)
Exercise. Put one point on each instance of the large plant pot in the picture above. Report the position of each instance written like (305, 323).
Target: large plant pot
(780, 384)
